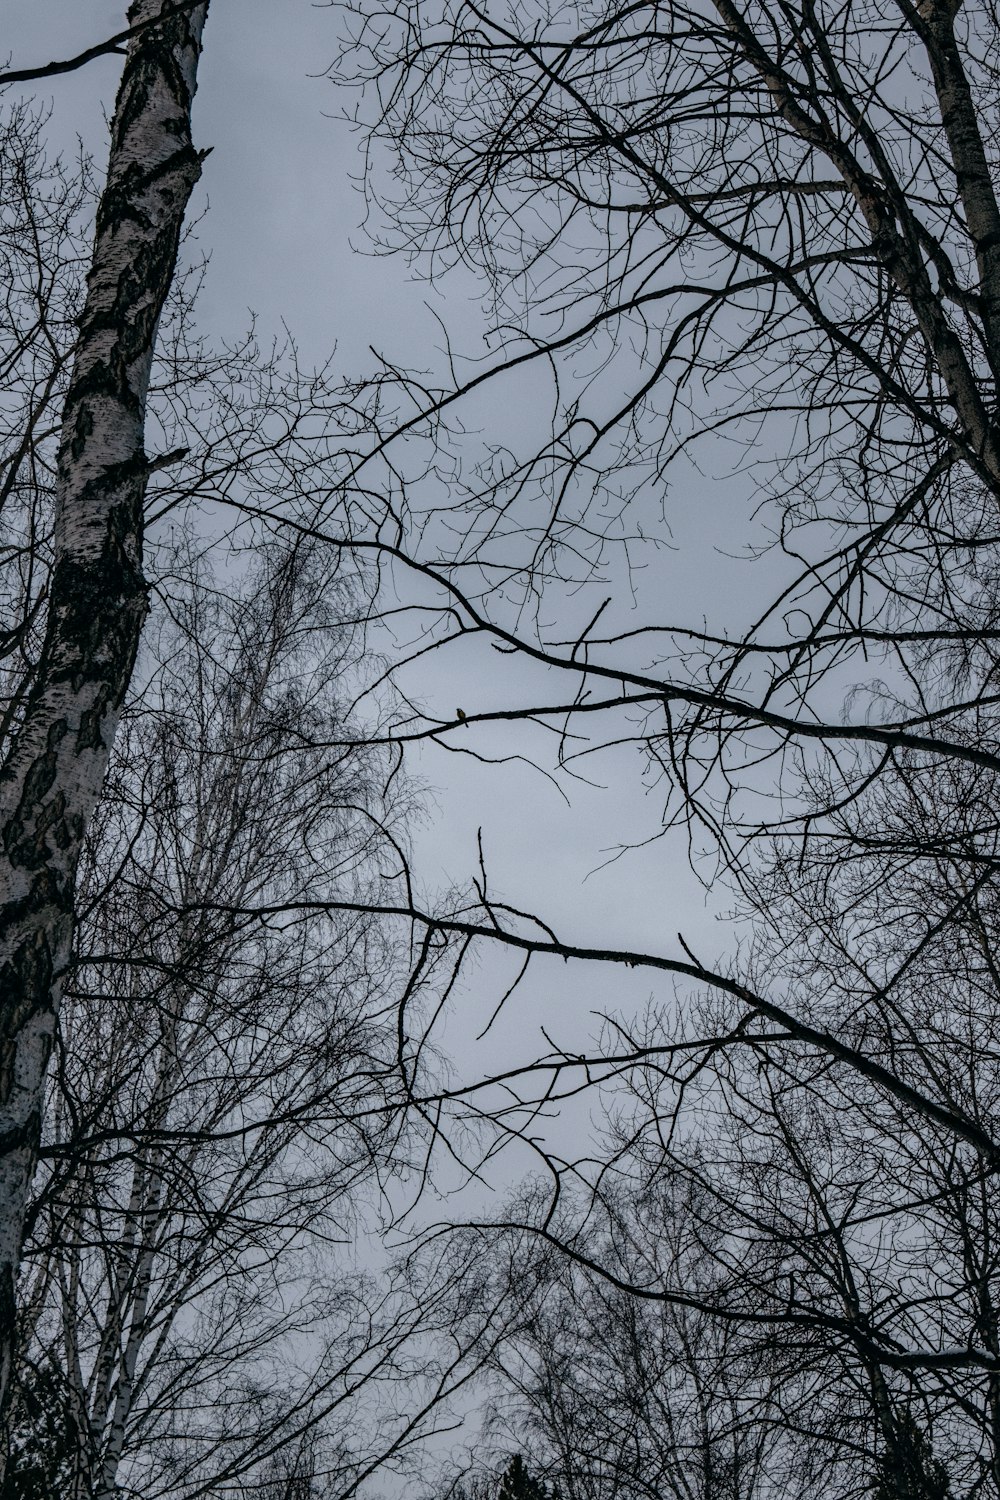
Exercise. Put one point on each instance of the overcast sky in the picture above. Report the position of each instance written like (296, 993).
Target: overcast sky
(282, 229)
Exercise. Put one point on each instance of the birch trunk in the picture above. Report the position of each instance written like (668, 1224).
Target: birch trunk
(52, 775)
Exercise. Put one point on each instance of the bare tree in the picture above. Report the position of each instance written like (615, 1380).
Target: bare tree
(224, 1098)
(776, 232)
(60, 736)
(616, 1397)
(766, 239)
(222, 1086)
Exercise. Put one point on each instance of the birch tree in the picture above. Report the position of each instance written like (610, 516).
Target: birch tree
(616, 1397)
(61, 734)
(224, 1087)
(221, 1108)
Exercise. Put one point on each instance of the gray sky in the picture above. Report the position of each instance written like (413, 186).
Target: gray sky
(282, 230)
(282, 219)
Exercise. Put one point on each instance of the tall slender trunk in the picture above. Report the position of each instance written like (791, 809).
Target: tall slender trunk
(52, 776)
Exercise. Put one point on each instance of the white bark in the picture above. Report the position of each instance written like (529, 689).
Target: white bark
(52, 777)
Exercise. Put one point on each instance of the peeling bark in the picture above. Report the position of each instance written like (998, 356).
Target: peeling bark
(52, 776)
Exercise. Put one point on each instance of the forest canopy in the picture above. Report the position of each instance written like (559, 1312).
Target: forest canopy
(312, 1157)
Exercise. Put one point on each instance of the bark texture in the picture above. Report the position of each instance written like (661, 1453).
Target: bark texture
(53, 773)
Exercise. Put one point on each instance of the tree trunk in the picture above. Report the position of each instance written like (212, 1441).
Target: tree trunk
(52, 775)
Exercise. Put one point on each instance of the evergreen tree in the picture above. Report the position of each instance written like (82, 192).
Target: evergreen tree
(41, 1440)
(908, 1470)
(516, 1483)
